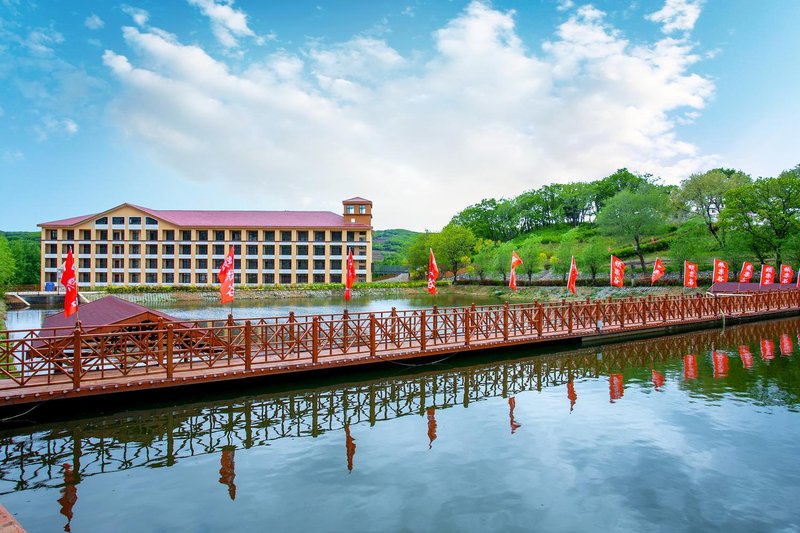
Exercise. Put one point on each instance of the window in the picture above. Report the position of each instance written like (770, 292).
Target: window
(202, 249)
(302, 278)
(237, 278)
(216, 264)
(86, 235)
(237, 264)
(219, 235)
(185, 264)
(286, 264)
(84, 263)
(252, 279)
(336, 264)
(168, 278)
(336, 250)
(134, 221)
(186, 249)
(168, 249)
(202, 235)
(201, 264)
(100, 277)
(269, 236)
(101, 235)
(152, 235)
(118, 249)
(118, 220)
(350, 209)
(286, 249)
(319, 236)
(351, 236)
(85, 249)
(65, 248)
(237, 249)
(252, 236)
(150, 221)
(185, 278)
(50, 262)
(53, 235)
(362, 210)
(336, 236)
(268, 279)
(252, 249)
(134, 234)
(69, 234)
(151, 263)
(151, 249)
(286, 279)
(83, 277)
(268, 249)
(302, 236)
(134, 277)
(101, 249)
(169, 235)
(186, 235)
(336, 278)
(319, 250)
(269, 264)
(101, 263)
(201, 278)
(252, 264)
(134, 264)
(117, 263)
(101, 220)
(319, 264)
(151, 277)
(319, 278)
(168, 264)
(302, 250)
(302, 264)
(219, 249)
(136, 249)
(50, 248)
(286, 236)
(50, 276)
(236, 235)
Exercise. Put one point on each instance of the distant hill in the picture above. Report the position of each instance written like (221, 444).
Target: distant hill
(30, 236)
(389, 246)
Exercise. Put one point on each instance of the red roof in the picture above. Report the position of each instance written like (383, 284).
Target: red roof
(102, 312)
(232, 219)
(356, 200)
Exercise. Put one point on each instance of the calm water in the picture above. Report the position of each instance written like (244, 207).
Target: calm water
(632, 437)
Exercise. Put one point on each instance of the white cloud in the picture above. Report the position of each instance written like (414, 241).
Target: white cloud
(139, 16)
(565, 5)
(677, 15)
(13, 156)
(227, 23)
(482, 116)
(41, 40)
(49, 126)
(93, 22)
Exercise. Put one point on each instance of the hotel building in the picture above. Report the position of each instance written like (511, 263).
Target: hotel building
(133, 245)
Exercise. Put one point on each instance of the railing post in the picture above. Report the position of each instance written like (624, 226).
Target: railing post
(394, 325)
(291, 332)
(160, 340)
(539, 318)
(422, 334)
(230, 336)
(315, 339)
(76, 357)
(435, 323)
(682, 307)
(345, 320)
(372, 347)
(248, 346)
(569, 318)
(622, 312)
(169, 355)
(467, 320)
(505, 321)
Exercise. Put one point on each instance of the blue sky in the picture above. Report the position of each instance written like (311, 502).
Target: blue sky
(423, 107)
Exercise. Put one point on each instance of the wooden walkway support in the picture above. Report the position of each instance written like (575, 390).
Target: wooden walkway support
(73, 362)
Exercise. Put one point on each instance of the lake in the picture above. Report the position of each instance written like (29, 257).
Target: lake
(696, 432)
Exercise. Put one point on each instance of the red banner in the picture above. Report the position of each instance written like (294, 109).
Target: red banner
(786, 274)
(658, 271)
(746, 356)
(746, 273)
(720, 271)
(571, 394)
(226, 276)
(512, 403)
(786, 345)
(70, 284)
(720, 360)
(689, 275)
(617, 272)
(515, 262)
(616, 387)
(350, 274)
(433, 273)
(767, 349)
(573, 276)
(658, 379)
(689, 367)
(767, 275)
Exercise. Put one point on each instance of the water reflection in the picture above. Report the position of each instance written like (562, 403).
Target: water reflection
(60, 456)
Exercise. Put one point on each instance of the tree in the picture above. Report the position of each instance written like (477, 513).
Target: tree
(635, 215)
(502, 259)
(691, 242)
(483, 262)
(532, 256)
(619, 181)
(562, 259)
(768, 210)
(418, 254)
(26, 257)
(453, 247)
(595, 256)
(8, 267)
(704, 195)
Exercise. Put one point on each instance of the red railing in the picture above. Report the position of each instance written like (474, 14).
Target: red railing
(129, 355)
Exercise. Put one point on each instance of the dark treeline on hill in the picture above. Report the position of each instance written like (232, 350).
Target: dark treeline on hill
(722, 213)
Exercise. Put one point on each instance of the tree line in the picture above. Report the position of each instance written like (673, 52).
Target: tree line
(722, 213)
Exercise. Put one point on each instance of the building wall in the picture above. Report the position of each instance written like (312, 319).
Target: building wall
(160, 254)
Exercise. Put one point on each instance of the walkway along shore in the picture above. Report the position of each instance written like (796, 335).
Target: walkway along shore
(70, 363)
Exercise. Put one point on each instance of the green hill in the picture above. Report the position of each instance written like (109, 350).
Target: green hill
(390, 246)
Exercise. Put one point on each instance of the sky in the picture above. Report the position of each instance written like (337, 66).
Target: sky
(422, 107)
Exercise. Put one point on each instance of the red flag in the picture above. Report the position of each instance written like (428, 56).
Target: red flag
(431, 412)
(658, 271)
(767, 349)
(658, 379)
(767, 275)
(786, 274)
(786, 344)
(689, 274)
(350, 274)
(226, 276)
(720, 271)
(720, 360)
(617, 272)
(515, 262)
(746, 356)
(350, 447)
(689, 367)
(512, 403)
(571, 394)
(747, 272)
(70, 285)
(433, 273)
(616, 387)
(573, 276)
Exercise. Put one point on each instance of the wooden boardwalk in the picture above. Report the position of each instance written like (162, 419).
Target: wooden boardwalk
(70, 363)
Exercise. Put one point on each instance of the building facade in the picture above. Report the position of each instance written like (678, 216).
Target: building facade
(131, 245)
